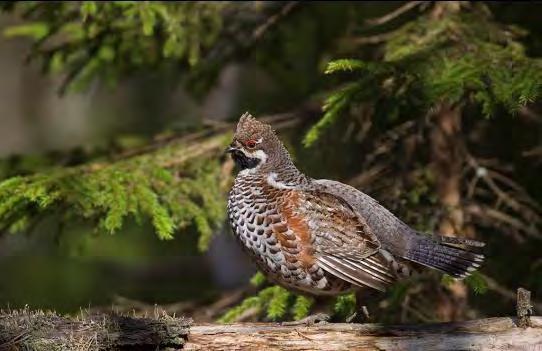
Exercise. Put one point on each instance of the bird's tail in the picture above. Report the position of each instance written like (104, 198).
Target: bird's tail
(451, 255)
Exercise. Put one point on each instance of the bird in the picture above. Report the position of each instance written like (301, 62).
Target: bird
(322, 237)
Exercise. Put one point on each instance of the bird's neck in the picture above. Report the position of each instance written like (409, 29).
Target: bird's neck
(280, 172)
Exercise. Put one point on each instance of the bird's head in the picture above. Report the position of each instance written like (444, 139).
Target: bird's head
(255, 145)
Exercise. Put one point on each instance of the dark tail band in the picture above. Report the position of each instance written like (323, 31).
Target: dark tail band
(451, 255)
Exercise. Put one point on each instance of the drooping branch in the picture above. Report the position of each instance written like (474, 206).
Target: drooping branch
(174, 181)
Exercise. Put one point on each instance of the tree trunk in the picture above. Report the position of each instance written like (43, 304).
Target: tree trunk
(25, 330)
(447, 165)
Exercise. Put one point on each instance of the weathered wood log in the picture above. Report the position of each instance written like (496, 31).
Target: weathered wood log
(483, 334)
(25, 330)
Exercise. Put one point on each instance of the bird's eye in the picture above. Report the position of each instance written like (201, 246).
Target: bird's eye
(251, 144)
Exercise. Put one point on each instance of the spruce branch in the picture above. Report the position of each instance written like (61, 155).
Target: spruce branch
(175, 183)
(455, 54)
(143, 186)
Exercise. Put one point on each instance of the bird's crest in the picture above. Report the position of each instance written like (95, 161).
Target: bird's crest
(249, 126)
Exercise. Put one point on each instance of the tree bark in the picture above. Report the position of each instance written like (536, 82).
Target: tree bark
(25, 330)
(447, 164)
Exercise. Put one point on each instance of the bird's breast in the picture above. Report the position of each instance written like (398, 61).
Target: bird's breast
(252, 215)
(267, 223)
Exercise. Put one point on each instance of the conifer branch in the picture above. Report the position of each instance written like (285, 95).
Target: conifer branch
(174, 183)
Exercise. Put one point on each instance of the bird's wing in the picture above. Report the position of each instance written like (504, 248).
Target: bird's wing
(452, 255)
(340, 240)
(394, 235)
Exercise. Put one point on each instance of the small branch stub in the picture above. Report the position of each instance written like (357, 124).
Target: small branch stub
(524, 308)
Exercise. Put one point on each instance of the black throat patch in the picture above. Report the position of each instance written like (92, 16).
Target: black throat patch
(243, 161)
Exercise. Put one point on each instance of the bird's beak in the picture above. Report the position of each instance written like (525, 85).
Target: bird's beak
(234, 146)
(230, 149)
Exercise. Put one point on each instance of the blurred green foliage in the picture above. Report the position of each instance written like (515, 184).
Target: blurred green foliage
(109, 40)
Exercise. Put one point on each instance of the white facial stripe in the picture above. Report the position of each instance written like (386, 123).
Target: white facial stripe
(272, 180)
(259, 154)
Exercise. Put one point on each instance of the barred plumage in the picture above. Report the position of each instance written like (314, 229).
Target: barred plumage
(321, 236)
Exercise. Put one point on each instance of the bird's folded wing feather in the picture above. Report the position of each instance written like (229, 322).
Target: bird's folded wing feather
(342, 242)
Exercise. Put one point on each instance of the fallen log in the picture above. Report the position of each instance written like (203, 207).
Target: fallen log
(26, 330)
(483, 334)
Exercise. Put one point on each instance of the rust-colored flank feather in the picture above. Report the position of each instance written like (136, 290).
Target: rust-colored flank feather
(298, 225)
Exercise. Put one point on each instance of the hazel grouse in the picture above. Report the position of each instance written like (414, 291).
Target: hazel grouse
(324, 237)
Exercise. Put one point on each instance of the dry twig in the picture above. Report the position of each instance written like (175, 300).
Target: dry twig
(394, 14)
